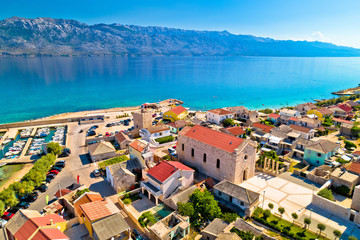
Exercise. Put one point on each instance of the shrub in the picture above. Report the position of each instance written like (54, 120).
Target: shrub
(258, 211)
(81, 192)
(294, 216)
(266, 111)
(266, 214)
(271, 206)
(112, 161)
(147, 218)
(229, 217)
(228, 122)
(243, 235)
(326, 193)
(349, 145)
(281, 210)
(342, 190)
(165, 139)
(126, 201)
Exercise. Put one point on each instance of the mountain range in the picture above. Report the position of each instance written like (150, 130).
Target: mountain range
(48, 36)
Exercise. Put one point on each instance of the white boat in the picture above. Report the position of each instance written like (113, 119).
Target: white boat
(6, 141)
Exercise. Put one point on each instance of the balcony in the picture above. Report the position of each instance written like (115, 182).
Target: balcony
(151, 188)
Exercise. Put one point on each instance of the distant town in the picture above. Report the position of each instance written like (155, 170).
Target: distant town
(162, 171)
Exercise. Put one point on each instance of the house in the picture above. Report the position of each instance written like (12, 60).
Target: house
(122, 140)
(177, 126)
(309, 122)
(175, 114)
(305, 107)
(292, 120)
(165, 179)
(339, 121)
(321, 113)
(354, 167)
(29, 224)
(259, 131)
(237, 198)
(154, 132)
(320, 152)
(86, 197)
(274, 118)
(235, 131)
(140, 150)
(182, 197)
(240, 112)
(289, 113)
(305, 132)
(101, 150)
(121, 178)
(173, 226)
(218, 115)
(214, 229)
(341, 111)
(94, 211)
(142, 119)
(342, 177)
(345, 129)
(112, 227)
(299, 149)
(216, 154)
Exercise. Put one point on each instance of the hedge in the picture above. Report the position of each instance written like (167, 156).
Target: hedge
(112, 161)
(165, 139)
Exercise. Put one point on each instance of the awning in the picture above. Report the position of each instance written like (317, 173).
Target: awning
(264, 149)
(346, 158)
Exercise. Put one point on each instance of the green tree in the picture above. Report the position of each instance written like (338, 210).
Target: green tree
(186, 209)
(8, 197)
(22, 188)
(271, 206)
(228, 122)
(294, 216)
(266, 111)
(326, 193)
(349, 145)
(34, 176)
(307, 222)
(54, 148)
(321, 227)
(205, 205)
(281, 210)
(355, 131)
(229, 217)
(337, 234)
(2, 207)
(266, 214)
(352, 238)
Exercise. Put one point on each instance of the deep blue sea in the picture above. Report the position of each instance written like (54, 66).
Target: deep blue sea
(41, 86)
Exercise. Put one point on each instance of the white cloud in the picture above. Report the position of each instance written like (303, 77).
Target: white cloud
(319, 36)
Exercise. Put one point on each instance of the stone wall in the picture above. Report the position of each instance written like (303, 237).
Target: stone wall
(356, 199)
(333, 207)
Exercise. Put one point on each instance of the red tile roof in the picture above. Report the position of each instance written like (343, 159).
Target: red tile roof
(273, 115)
(50, 234)
(213, 138)
(181, 166)
(99, 209)
(178, 110)
(220, 111)
(86, 198)
(162, 171)
(63, 192)
(137, 145)
(300, 128)
(120, 137)
(354, 167)
(263, 127)
(357, 153)
(32, 224)
(342, 120)
(236, 131)
(345, 107)
(293, 119)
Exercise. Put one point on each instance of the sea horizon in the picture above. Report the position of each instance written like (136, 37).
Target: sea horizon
(51, 85)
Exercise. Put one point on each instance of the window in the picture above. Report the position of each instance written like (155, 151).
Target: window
(220, 193)
(242, 203)
(182, 147)
(204, 158)
(192, 152)
(217, 163)
(245, 157)
(319, 154)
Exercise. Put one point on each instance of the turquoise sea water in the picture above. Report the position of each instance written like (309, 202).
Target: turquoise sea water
(42, 86)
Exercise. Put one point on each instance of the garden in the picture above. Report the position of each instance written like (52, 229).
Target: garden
(164, 139)
(112, 161)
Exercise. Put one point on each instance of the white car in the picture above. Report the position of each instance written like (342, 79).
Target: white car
(96, 173)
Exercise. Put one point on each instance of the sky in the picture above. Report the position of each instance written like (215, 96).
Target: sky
(332, 21)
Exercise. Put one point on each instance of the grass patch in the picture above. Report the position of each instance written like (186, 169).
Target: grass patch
(326, 193)
(112, 161)
(165, 139)
(147, 218)
(284, 226)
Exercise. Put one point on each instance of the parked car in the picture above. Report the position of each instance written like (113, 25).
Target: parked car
(29, 198)
(60, 164)
(42, 188)
(23, 205)
(56, 172)
(2, 222)
(107, 134)
(65, 152)
(109, 125)
(96, 173)
(49, 178)
(81, 131)
(7, 216)
(136, 235)
(91, 133)
(56, 168)
(95, 126)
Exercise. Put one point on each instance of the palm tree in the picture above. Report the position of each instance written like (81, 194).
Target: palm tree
(307, 222)
(337, 234)
(321, 227)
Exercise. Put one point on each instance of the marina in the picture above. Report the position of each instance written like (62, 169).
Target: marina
(13, 147)
(45, 135)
